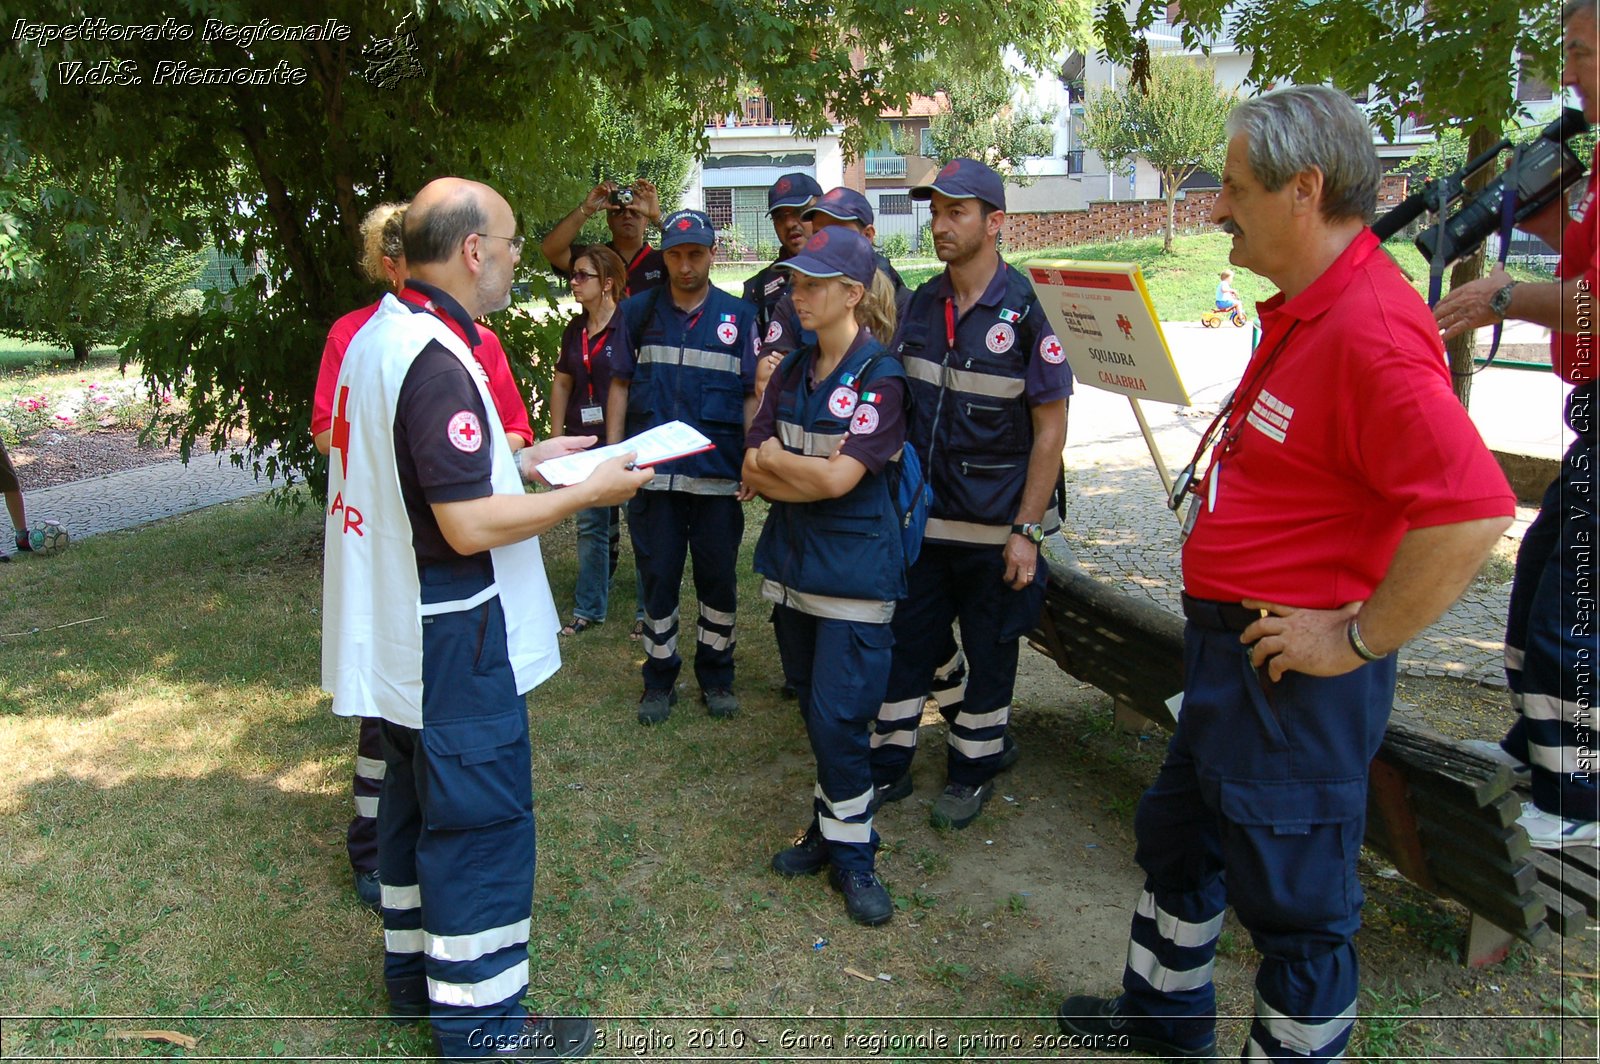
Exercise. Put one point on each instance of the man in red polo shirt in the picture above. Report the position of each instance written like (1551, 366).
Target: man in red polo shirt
(1345, 501)
(1551, 644)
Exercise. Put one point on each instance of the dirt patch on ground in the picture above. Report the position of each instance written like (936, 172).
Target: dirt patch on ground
(52, 458)
(1076, 789)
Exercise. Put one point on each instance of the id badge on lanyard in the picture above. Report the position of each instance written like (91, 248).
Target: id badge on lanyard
(591, 412)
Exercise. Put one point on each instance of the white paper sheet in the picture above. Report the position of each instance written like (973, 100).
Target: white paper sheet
(663, 443)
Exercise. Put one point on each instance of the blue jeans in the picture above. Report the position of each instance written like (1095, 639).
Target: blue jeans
(599, 531)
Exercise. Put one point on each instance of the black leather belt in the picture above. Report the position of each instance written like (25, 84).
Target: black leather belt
(1211, 613)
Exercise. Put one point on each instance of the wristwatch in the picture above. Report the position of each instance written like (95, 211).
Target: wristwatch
(1500, 302)
(1030, 532)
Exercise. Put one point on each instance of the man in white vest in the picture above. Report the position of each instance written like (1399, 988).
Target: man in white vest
(438, 619)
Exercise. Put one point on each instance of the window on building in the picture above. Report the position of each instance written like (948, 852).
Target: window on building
(1075, 161)
(719, 205)
(925, 143)
(894, 203)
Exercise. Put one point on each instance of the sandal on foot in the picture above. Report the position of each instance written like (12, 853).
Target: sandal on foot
(638, 630)
(577, 626)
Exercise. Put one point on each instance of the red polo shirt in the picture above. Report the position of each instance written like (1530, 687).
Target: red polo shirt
(1348, 438)
(490, 355)
(1574, 357)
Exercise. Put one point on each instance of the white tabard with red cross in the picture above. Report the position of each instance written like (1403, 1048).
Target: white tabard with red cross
(371, 598)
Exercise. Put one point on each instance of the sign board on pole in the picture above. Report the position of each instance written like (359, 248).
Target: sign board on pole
(1103, 317)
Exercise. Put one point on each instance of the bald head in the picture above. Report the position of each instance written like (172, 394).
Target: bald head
(461, 236)
(443, 215)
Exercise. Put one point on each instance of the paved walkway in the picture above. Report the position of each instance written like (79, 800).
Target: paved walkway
(1119, 526)
(1120, 529)
(138, 496)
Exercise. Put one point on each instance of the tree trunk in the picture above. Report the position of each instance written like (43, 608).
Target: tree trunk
(1172, 200)
(1464, 348)
(80, 350)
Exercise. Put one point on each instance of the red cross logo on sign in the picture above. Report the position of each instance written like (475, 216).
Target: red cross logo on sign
(842, 402)
(1125, 325)
(1051, 350)
(464, 432)
(865, 423)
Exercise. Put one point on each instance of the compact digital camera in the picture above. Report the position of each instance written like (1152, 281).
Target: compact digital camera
(622, 197)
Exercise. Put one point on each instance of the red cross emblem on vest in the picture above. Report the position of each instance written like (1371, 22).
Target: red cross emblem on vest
(341, 432)
(1052, 349)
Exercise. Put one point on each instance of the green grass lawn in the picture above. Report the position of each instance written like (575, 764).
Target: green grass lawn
(173, 807)
(1181, 283)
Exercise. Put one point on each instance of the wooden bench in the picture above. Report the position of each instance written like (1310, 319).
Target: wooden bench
(1444, 816)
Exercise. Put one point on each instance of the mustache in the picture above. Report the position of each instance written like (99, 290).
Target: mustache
(1231, 228)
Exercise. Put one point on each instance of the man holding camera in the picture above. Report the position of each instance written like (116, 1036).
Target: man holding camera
(1551, 649)
(1347, 502)
(628, 210)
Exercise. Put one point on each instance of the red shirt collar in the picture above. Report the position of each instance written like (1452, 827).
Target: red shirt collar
(1326, 289)
(429, 297)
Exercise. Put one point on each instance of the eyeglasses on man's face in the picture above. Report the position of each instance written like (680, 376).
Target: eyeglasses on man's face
(516, 242)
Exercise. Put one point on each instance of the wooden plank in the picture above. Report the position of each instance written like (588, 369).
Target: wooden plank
(1450, 798)
(1566, 915)
(1486, 943)
(1568, 878)
(1387, 796)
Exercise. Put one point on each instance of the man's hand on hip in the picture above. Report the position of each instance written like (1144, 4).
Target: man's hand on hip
(1294, 640)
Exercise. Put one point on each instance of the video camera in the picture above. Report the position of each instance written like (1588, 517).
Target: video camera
(1539, 171)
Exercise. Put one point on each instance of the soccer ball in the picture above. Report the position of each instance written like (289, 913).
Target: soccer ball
(48, 537)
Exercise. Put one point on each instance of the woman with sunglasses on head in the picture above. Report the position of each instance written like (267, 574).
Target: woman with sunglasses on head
(830, 421)
(582, 379)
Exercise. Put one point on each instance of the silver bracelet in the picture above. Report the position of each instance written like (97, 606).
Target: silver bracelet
(1353, 632)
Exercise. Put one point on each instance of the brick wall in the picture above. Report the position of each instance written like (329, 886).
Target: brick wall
(1104, 221)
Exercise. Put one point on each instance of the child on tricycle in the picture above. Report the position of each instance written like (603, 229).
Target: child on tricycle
(1227, 305)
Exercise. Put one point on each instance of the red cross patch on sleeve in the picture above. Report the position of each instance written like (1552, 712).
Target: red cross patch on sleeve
(464, 432)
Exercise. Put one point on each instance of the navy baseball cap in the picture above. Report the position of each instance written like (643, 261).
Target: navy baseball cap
(965, 179)
(845, 204)
(835, 252)
(792, 190)
(687, 227)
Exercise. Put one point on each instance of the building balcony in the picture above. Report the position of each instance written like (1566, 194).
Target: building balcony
(885, 165)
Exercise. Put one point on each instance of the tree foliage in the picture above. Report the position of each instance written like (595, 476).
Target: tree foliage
(981, 119)
(1175, 121)
(76, 277)
(1446, 62)
(525, 94)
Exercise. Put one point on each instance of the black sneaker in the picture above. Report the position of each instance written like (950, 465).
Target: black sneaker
(959, 805)
(408, 1001)
(542, 1038)
(864, 897)
(720, 703)
(806, 857)
(1098, 1020)
(368, 891)
(884, 793)
(656, 706)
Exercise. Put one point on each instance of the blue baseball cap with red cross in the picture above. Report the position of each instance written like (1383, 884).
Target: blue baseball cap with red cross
(687, 227)
(965, 179)
(792, 190)
(845, 204)
(835, 252)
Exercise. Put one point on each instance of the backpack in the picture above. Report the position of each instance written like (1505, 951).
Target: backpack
(909, 489)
